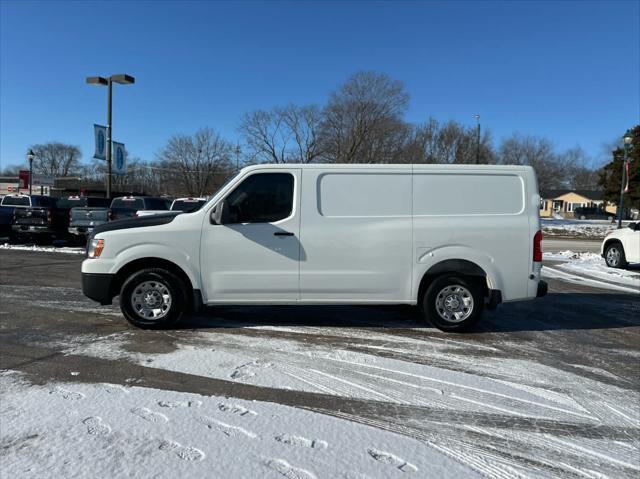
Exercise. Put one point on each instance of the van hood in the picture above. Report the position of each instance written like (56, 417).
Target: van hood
(140, 222)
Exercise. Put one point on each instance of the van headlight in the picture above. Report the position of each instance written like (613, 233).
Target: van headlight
(95, 247)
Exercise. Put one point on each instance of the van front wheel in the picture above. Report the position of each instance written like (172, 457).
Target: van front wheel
(453, 303)
(153, 298)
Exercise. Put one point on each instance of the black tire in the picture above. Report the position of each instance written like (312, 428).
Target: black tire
(461, 289)
(614, 255)
(158, 282)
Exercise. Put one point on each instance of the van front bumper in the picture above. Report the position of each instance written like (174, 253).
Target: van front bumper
(97, 286)
(543, 287)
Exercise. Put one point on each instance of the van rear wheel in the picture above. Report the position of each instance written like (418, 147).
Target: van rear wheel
(453, 303)
(153, 298)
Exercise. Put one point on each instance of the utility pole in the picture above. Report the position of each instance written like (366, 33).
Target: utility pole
(109, 137)
(478, 140)
(627, 139)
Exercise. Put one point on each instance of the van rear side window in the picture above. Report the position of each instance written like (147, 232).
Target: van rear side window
(445, 194)
(364, 194)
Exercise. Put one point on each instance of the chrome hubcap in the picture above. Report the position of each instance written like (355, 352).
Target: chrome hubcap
(454, 303)
(151, 300)
(613, 256)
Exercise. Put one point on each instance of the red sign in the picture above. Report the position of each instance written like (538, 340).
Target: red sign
(23, 176)
(10, 189)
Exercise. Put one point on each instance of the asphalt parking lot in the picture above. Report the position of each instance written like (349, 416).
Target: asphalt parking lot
(578, 344)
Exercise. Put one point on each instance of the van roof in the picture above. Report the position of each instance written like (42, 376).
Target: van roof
(386, 166)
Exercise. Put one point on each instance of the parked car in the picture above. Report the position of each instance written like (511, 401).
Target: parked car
(85, 214)
(43, 220)
(179, 205)
(622, 246)
(332, 234)
(127, 206)
(592, 213)
(8, 205)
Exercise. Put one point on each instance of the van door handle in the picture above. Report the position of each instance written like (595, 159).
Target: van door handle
(282, 233)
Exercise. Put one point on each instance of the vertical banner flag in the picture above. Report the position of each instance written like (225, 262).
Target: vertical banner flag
(100, 133)
(626, 166)
(119, 166)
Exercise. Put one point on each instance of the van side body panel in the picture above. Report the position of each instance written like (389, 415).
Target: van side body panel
(356, 235)
(474, 214)
(177, 242)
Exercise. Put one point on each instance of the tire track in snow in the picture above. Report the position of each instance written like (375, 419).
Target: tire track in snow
(467, 387)
(573, 278)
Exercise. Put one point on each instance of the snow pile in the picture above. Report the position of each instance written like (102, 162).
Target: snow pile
(591, 268)
(106, 430)
(593, 229)
(43, 249)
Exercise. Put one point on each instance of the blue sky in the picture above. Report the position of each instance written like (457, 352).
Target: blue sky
(567, 71)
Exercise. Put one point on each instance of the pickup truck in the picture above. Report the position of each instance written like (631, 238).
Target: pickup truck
(179, 205)
(43, 219)
(128, 206)
(85, 214)
(8, 205)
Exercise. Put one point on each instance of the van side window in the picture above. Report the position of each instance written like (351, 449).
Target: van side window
(262, 198)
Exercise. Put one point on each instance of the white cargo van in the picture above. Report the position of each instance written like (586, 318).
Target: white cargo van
(451, 239)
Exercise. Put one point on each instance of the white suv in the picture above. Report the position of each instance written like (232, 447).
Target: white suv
(622, 246)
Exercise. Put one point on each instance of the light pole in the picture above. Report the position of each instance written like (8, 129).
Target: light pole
(237, 157)
(477, 117)
(30, 157)
(123, 79)
(627, 139)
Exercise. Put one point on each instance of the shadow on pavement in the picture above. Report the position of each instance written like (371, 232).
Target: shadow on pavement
(556, 311)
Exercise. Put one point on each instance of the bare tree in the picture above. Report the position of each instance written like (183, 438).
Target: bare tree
(265, 135)
(450, 142)
(282, 134)
(12, 170)
(580, 174)
(197, 162)
(363, 120)
(56, 159)
(303, 125)
(539, 153)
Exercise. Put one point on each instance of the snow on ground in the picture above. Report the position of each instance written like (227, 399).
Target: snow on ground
(106, 430)
(593, 229)
(43, 249)
(591, 269)
(449, 381)
(495, 395)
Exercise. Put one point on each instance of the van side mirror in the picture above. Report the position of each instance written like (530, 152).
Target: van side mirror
(220, 214)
